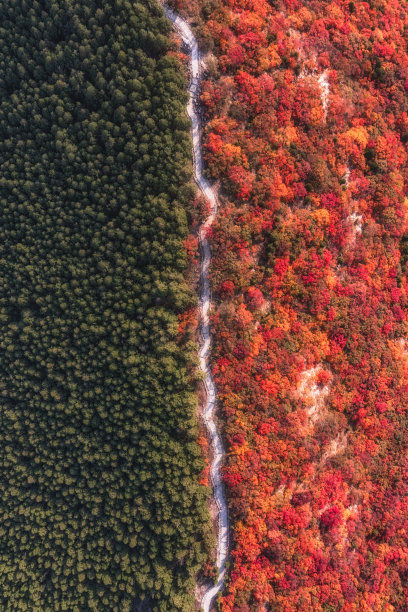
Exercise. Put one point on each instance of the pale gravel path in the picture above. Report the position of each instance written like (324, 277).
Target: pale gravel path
(190, 41)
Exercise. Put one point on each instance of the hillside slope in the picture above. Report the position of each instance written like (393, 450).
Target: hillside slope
(100, 503)
(307, 124)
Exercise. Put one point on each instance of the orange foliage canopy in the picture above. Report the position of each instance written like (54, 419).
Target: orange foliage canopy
(307, 115)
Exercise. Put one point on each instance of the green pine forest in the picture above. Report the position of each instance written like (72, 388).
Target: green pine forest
(100, 506)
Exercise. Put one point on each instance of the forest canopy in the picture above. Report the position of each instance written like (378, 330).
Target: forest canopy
(307, 128)
(100, 503)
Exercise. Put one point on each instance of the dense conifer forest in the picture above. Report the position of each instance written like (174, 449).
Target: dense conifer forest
(100, 504)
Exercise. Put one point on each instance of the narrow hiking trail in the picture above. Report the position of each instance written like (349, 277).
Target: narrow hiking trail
(184, 30)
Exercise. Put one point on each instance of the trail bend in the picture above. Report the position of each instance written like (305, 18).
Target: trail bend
(184, 30)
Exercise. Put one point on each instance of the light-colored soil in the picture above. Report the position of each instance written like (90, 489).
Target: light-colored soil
(197, 65)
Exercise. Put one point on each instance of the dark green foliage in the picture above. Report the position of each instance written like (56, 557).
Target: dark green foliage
(372, 163)
(404, 249)
(379, 71)
(100, 507)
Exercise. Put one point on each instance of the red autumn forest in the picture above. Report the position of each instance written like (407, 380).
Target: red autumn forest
(306, 129)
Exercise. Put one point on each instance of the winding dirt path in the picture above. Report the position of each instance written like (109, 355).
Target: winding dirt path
(209, 408)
